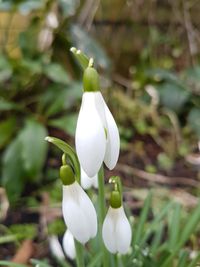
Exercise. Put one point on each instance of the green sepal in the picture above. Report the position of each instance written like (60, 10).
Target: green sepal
(67, 175)
(91, 80)
(70, 153)
(115, 200)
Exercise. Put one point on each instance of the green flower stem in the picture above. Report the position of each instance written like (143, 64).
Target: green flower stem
(102, 211)
(79, 254)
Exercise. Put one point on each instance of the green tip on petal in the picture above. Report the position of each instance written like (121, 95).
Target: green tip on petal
(67, 175)
(115, 200)
(91, 80)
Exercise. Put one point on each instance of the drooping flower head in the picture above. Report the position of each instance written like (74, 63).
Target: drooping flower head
(116, 229)
(78, 211)
(97, 136)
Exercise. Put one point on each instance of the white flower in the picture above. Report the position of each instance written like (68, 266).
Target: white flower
(68, 245)
(88, 182)
(97, 136)
(79, 213)
(55, 247)
(116, 231)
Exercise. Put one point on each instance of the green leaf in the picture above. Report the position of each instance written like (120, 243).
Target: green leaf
(12, 170)
(68, 150)
(157, 239)
(142, 219)
(12, 264)
(7, 105)
(34, 148)
(6, 130)
(56, 73)
(89, 46)
(57, 98)
(174, 227)
(194, 120)
(156, 222)
(173, 96)
(183, 259)
(190, 228)
(96, 260)
(66, 123)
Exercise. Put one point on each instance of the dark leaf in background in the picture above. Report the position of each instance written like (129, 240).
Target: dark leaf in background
(7, 105)
(33, 66)
(58, 98)
(69, 7)
(7, 128)
(193, 73)
(24, 158)
(83, 41)
(31, 5)
(194, 120)
(56, 73)
(161, 75)
(66, 123)
(173, 96)
(13, 172)
(34, 148)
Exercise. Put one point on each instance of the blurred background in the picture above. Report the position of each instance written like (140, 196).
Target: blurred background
(148, 55)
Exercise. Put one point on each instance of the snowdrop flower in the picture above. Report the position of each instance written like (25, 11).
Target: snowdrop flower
(88, 182)
(55, 247)
(116, 229)
(78, 211)
(68, 245)
(97, 136)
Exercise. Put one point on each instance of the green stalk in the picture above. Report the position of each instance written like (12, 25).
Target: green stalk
(79, 254)
(102, 211)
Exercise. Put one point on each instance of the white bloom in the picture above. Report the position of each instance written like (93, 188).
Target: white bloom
(68, 245)
(116, 231)
(55, 247)
(79, 213)
(97, 136)
(88, 182)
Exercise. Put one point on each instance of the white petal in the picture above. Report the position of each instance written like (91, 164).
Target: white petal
(113, 140)
(74, 215)
(90, 136)
(86, 182)
(108, 231)
(68, 245)
(89, 211)
(55, 247)
(123, 232)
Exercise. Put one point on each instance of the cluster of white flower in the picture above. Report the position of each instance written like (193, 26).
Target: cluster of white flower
(97, 141)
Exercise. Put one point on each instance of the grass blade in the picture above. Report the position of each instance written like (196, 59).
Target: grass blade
(143, 218)
(174, 227)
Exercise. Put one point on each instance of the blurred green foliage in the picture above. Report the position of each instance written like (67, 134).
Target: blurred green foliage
(39, 88)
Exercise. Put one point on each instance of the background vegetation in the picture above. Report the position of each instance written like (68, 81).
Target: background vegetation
(148, 56)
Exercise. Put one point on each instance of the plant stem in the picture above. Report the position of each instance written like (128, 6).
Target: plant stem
(102, 211)
(79, 254)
